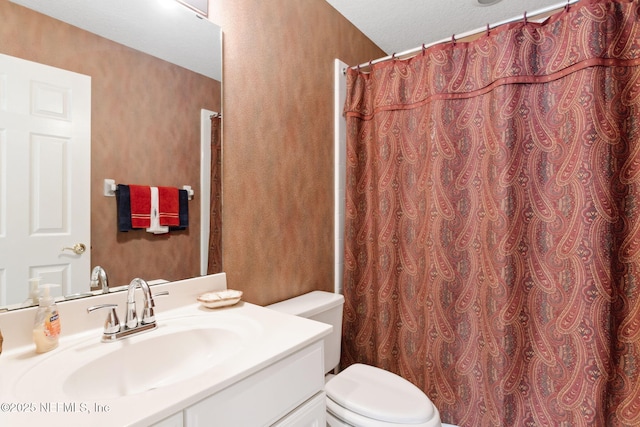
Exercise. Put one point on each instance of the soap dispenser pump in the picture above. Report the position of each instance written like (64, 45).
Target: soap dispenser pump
(46, 328)
(34, 291)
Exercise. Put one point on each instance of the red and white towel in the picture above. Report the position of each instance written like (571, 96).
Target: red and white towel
(154, 208)
(168, 206)
(140, 196)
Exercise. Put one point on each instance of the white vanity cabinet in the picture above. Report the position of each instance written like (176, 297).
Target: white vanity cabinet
(288, 392)
(236, 366)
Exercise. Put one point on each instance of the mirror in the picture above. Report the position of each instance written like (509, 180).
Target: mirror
(165, 29)
(146, 109)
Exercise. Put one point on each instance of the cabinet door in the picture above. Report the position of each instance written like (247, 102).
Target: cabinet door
(173, 421)
(312, 413)
(264, 397)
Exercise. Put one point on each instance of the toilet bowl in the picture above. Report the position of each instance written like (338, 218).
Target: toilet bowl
(361, 395)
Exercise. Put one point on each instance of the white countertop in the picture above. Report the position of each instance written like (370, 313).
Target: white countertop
(278, 336)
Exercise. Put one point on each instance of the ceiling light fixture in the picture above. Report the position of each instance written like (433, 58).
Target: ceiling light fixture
(487, 2)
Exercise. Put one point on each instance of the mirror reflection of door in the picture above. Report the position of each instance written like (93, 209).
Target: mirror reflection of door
(45, 114)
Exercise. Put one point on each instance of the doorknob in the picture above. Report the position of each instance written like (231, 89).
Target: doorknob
(78, 248)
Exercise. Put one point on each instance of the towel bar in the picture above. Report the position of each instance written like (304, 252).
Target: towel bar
(109, 188)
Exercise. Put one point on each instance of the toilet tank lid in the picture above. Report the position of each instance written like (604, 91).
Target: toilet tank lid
(309, 304)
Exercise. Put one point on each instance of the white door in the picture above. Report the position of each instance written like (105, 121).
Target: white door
(45, 170)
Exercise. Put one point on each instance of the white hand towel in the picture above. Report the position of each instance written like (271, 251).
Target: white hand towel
(155, 227)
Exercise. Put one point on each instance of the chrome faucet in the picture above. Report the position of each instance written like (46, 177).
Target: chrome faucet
(99, 278)
(113, 330)
(131, 318)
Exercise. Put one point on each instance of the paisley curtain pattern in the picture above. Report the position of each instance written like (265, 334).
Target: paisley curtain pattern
(492, 240)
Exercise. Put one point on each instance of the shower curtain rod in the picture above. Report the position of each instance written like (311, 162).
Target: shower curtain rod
(414, 51)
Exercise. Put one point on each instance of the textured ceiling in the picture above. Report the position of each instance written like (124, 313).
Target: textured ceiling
(400, 25)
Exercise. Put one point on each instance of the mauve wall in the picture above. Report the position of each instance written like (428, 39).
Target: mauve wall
(278, 141)
(145, 130)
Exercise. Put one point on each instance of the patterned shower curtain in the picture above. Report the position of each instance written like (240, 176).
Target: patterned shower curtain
(492, 241)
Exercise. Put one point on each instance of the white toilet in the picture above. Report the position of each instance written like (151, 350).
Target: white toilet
(361, 395)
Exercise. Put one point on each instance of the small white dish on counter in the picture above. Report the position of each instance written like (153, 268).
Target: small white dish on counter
(217, 299)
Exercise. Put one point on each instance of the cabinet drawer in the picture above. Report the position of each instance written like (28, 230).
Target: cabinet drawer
(264, 397)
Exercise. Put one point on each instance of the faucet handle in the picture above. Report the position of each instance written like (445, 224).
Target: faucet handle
(161, 294)
(148, 316)
(112, 324)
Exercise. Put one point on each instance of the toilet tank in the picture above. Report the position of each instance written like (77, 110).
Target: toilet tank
(323, 307)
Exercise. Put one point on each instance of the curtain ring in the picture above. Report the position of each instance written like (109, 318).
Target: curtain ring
(525, 18)
(488, 30)
(424, 49)
(453, 39)
(566, 8)
(393, 57)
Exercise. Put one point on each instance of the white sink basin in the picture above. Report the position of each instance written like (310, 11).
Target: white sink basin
(151, 363)
(176, 351)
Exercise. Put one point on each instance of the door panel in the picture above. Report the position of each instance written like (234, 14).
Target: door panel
(45, 166)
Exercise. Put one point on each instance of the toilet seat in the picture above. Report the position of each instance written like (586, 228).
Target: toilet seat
(367, 396)
(341, 417)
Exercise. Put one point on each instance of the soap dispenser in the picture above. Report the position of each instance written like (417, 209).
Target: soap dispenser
(46, 328)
